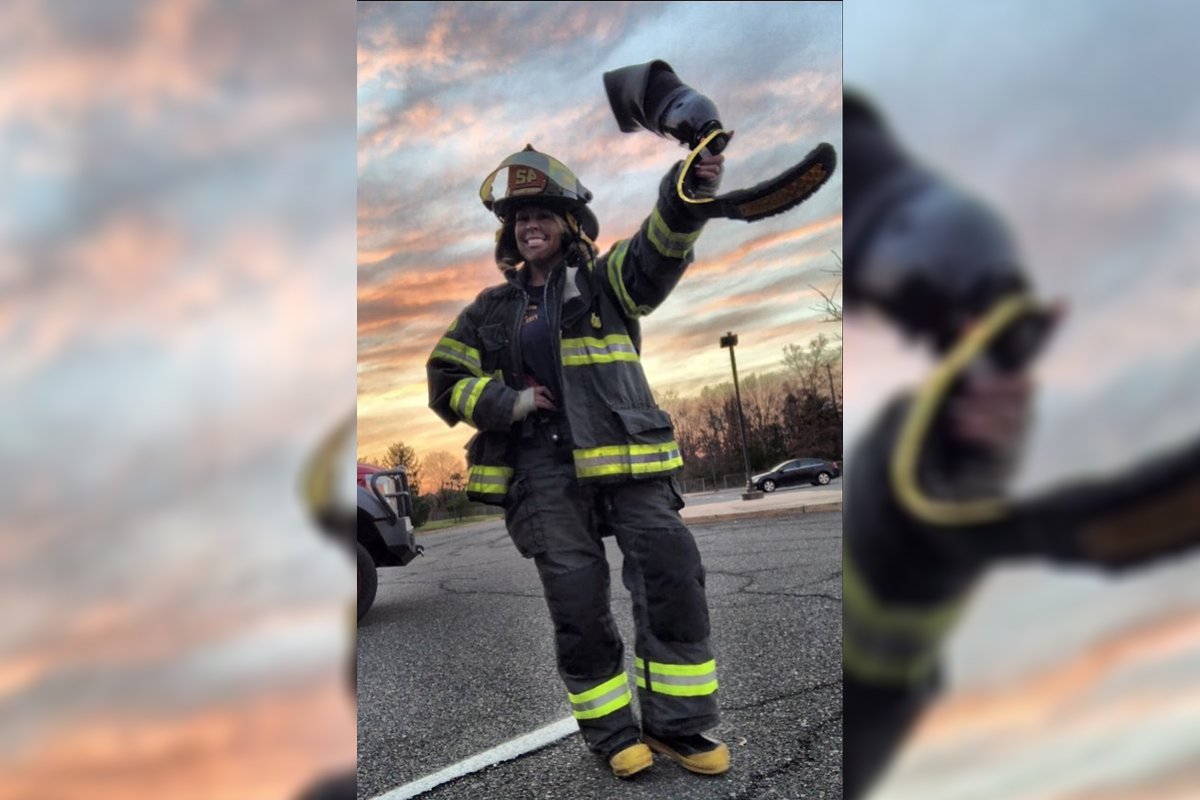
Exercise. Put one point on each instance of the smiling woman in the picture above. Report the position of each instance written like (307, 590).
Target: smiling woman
(573, 446)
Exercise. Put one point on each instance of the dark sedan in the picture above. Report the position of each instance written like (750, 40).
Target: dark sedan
(796, 471)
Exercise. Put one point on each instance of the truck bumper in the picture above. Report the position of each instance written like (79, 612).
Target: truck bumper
(398, 536)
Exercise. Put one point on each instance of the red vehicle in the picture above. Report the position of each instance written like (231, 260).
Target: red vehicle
(385, 531)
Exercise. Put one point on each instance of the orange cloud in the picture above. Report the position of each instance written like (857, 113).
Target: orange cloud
(268, 746)
(721, 261)
(1032, 702)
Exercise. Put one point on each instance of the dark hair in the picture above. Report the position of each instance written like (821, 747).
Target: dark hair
(573, 238)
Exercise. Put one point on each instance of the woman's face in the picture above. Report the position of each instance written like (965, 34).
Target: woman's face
(539, 234)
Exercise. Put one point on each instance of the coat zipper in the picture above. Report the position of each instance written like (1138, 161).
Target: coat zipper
(518, 365)
(553, 316)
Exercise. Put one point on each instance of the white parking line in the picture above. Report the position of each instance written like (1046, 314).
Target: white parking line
(501, 752)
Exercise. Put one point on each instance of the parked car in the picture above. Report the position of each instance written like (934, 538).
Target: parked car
(385, 530)
(798, 470)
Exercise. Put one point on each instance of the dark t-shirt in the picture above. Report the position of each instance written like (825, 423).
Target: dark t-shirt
(537, 346)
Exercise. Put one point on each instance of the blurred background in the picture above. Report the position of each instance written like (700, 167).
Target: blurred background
(1078, 123)
(177, 259)
(178, 330)
(177, 319)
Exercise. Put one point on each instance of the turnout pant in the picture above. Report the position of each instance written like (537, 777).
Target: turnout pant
(558, 522)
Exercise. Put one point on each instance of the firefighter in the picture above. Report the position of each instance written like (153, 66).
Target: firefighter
(927, 513)
(546, 365)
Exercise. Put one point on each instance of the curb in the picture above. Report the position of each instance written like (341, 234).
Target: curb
(770, 513)
(789, 511)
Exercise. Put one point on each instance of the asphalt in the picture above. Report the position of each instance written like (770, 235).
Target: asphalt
(457, 656)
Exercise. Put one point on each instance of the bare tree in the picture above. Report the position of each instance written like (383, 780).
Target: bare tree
(439, 468)
(830, 305)
(812, 367)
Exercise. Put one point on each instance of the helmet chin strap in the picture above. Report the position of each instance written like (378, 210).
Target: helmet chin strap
(579, 234)
(687, 165)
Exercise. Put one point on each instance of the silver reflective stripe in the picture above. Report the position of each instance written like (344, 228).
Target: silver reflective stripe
(666, 241)
(455, 351)
(650, 458)
(602, 700)
(588, 350)
(483, 479)
(886, 655)
(616, 278)
(680, 680)
(466, 395)
(890, 643)
(627, 459)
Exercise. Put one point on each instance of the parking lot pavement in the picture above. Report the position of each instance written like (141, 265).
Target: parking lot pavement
(715, 506)
(457, 657)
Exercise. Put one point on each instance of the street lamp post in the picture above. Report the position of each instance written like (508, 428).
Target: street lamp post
(730, 340)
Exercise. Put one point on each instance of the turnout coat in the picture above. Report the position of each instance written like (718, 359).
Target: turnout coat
(617, 431)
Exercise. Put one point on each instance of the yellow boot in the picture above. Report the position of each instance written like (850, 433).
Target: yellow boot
(696, 753)
(630, 760)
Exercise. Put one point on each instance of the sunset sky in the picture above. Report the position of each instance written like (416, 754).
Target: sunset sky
(1079, 124)
(446, 91)
(176, 333)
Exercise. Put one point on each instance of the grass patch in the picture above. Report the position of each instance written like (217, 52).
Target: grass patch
(442, 524)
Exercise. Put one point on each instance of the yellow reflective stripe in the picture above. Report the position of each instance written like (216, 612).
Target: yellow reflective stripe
(681, 691)
(678, 680)
(628, 459)
(603, 470)
(896, 645)
(666, 241)
(599, 358)
(616, 259)
(456, 395)
(596, 691)
(625, 449)
(592, 341)
(629, 469)
(452, 350)
(605, 709)
(682, 669)
(455, 344)
(474, 398)
(488, 480)
(473, 388)
(590, 350)
(858, 596)
(485, 488)
(592, 703)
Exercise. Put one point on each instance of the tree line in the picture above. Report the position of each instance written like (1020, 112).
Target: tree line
(437, 481)
(794, 412)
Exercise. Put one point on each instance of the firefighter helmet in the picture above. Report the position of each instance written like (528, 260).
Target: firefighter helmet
(533, 178)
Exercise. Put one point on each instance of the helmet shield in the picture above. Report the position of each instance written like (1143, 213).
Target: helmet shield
(533, 178)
